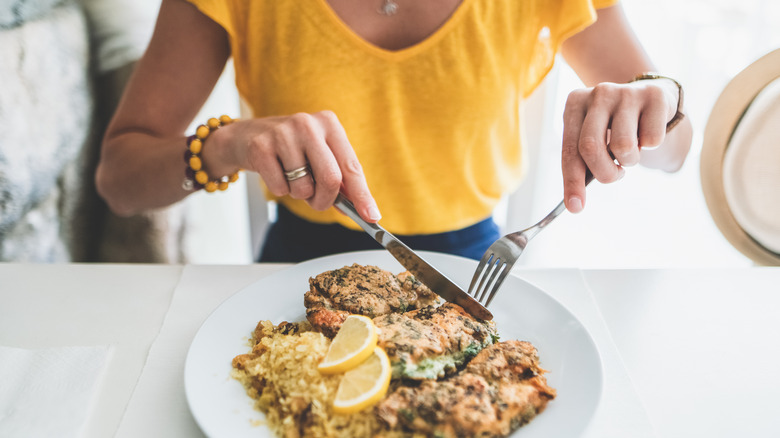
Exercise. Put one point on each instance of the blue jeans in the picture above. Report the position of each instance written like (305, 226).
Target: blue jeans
(291, 239)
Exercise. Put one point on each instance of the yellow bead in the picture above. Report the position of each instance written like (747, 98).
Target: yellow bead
(202, 132)
(213, 123)
(201, 177)
(196, 146)
(233, 178)
(195, 163)
(211, 187)
(223, 185)
(225, 119)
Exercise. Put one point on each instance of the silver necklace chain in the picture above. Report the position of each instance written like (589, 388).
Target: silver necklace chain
(389, 7)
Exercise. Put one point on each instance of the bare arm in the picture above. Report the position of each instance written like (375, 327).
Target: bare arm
(626, 120)
(142, 165)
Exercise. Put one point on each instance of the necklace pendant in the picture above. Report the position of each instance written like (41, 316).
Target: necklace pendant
(388, 8)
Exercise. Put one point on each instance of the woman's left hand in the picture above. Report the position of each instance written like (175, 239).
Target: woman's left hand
(607, 125)
(614, 124)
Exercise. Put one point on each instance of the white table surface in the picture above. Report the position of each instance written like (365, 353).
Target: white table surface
(687, 353)
(702, 346)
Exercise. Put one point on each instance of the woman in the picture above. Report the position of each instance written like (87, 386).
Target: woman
(411, 107)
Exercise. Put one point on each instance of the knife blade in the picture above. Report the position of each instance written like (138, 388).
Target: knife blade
(422, 270)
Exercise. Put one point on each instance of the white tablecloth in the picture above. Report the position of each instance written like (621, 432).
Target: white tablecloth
(685, 352)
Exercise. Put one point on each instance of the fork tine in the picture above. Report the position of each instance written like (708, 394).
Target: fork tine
(501, 256)
(486, 273)
(496, 268)
(479, 273)
(498, 283)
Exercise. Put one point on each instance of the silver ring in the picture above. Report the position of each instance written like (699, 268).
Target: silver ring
(297, 173)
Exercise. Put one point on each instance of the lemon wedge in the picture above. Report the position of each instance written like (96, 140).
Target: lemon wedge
(364, 385)
(352, 345)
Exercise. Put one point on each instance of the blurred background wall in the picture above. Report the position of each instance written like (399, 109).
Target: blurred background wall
(649, 219)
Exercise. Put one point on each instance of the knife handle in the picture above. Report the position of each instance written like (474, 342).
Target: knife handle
(346, 207)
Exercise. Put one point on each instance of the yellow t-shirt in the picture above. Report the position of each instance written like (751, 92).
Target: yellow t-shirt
(436, 126)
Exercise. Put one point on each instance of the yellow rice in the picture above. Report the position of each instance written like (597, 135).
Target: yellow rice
(281, 375)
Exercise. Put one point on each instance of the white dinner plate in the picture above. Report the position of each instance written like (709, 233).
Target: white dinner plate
(521, 310)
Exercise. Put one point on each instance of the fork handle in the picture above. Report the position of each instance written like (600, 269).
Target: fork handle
(560, 208)
(588, 177)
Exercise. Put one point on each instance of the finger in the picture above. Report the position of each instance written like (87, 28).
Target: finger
(264, 159)
(301, 182)
(572, 165)
(652, 123)
(298, 135)
(353, 180)
(593, 141)
(326, 173)
(623, 140)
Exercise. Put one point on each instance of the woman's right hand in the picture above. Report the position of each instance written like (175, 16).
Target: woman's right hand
(272, 146)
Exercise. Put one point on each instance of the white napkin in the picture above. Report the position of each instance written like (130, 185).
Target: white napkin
(47, 392)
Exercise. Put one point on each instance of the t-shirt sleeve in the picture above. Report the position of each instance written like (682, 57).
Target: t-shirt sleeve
(219, 11)
(558, 20)
(571, 16)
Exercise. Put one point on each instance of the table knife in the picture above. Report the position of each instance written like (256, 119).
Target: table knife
(422, 270)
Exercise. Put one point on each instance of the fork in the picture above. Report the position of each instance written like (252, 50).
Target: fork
(501, 256)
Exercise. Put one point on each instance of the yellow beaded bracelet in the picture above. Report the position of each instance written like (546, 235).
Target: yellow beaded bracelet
(196, 177)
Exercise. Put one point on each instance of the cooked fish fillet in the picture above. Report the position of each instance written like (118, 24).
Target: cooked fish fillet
(364, 290)
(501, 389)
(433, 341)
